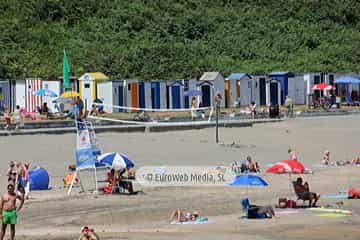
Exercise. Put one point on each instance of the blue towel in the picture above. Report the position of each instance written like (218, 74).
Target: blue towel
(335, 196)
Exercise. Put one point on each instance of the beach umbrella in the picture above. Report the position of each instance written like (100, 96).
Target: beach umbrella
(70, 94)
(193, 93)
(44, 93)
(248, 180)
(115, 160)
(323, 86)
(287, 167)
(63, 100)
(347, 80)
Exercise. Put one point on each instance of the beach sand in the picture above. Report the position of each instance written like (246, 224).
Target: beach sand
(53, 215)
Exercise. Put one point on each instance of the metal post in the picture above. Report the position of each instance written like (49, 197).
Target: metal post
(217, 124)
(217, 99)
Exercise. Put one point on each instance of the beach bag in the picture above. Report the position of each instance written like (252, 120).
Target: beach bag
(291, 204)
(108, 189)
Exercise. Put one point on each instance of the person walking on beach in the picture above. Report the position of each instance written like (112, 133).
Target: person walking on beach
(9, 211)
(289, 105)
(193, 108)
(17, 116)
(253, 109)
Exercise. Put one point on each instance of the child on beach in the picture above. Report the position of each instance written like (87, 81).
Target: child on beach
(69, 177)
(9, 211)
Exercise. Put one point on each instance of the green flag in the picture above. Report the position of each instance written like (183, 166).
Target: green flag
(66, 71)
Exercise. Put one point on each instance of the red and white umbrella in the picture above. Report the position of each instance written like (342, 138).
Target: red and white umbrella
(287, 166)
(323, 86)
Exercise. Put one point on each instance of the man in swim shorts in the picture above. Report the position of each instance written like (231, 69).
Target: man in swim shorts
(8, 211)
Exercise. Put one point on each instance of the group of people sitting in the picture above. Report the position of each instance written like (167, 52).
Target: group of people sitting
(248, 166)
(118, 180)
(329, 162)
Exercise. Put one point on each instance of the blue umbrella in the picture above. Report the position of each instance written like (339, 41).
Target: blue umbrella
(44, 92)
(347, 80)
(248, 180)
(115, 160)
(193, 93)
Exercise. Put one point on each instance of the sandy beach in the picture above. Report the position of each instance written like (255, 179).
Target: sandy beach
(53, 215)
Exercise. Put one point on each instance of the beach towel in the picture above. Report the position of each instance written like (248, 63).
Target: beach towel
(336, 196)
(332, 215)
(331, 210)
(286, 212)
(200, 220)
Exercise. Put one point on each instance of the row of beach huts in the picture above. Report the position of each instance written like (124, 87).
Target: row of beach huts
(238, 89)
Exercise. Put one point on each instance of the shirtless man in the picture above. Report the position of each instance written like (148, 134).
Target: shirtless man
(8, 210)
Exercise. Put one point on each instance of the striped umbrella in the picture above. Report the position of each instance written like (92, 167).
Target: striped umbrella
(115, 160)
(323, 86)
(286, 166)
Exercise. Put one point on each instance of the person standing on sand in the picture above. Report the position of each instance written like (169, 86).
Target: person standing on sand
(9, 211)
(292, 154)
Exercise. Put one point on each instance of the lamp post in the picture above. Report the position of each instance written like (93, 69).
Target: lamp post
(218, 99)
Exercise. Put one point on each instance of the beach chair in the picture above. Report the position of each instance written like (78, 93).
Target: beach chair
(305, 196)
(251, 211)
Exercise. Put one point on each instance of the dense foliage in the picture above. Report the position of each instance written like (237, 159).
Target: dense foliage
(168, 39)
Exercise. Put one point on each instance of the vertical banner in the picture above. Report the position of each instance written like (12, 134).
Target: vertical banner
(93, 142)
(84, 153)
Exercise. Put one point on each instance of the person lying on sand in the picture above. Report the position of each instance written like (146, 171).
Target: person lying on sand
(267, 210)
(179, 216)
(355, 161)
(88, 234)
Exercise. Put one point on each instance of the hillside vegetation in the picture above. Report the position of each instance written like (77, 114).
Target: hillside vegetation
(164, 39)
